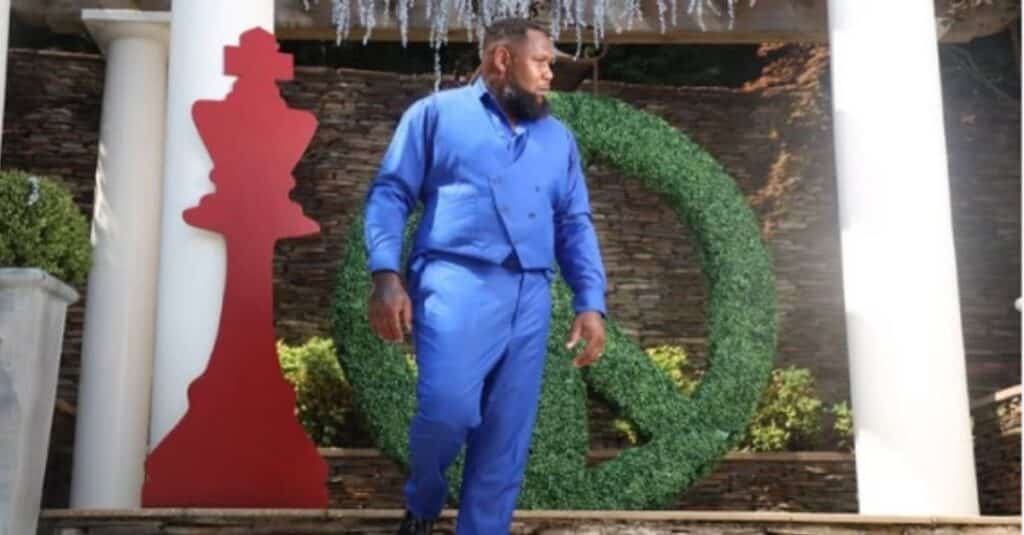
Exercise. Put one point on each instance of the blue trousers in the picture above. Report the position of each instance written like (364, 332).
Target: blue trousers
(480, 332)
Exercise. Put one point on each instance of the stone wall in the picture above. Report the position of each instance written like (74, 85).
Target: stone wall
(804, 482)
(800, 481)
(360, 477)
(997, 445)
(775, 141)
(51, 127)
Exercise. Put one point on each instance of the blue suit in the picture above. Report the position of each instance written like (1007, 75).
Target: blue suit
(501, 205)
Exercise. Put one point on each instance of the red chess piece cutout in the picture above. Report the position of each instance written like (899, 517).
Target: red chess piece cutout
(240, 443)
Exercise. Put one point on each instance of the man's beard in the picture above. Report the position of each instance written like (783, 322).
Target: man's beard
(521, 104)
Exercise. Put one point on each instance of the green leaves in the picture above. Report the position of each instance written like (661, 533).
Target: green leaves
(685, 435)
(40, 226)
(789, 412)
(323, 397)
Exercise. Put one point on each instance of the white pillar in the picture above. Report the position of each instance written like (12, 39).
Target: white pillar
(192, 261)
(5, 21)
(907, 372)
(117, 344)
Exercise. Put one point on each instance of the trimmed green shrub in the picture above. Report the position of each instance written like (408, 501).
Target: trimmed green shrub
(685, 435)
(40, 226)
(672, 361)
(323, 396)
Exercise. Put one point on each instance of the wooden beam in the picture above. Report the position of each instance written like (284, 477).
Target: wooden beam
(422, 35)
(767, 21)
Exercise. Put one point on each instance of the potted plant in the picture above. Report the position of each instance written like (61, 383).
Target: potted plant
(44, 249)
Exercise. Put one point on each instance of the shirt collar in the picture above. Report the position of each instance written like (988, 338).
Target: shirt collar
(479, 88)
(482, 92)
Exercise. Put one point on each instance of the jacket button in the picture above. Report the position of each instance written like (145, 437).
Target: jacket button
(536, 188)
(532, 215)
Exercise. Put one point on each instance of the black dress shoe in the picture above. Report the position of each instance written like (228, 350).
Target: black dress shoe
(415, 526)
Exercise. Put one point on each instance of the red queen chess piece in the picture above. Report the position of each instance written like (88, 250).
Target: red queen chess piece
(240, 443)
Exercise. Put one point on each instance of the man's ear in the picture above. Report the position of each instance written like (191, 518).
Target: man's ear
(502, 59)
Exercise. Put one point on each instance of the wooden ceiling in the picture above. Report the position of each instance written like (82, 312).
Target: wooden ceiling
(767, 21)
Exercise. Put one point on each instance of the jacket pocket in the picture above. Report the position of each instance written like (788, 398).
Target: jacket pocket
(455, 217)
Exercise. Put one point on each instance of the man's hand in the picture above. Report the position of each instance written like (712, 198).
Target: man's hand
(590, 326)
(390, 307)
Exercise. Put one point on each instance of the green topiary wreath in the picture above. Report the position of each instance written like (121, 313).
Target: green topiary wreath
(685, 435)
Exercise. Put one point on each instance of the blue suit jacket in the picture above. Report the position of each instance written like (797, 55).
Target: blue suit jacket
(487, 190)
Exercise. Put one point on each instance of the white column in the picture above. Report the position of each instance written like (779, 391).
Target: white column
(5, 21)
(117, 344)
(192, 261)
(907, 372)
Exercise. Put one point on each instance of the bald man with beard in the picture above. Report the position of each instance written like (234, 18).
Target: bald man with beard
(504, 199)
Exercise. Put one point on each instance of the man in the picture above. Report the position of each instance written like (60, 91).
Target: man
(504, 198)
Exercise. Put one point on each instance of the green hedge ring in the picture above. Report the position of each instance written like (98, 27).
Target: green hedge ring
(683, 437)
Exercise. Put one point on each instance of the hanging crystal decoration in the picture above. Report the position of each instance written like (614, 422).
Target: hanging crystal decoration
(599, 15)
(578, 23)
(402, 12)
(562, 13)
(367, 17)
(340, 13)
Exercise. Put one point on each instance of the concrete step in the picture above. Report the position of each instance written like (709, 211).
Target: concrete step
(382, 521)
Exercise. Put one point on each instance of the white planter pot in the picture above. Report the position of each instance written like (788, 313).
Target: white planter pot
(33, 305)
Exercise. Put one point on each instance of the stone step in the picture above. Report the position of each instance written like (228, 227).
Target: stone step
(382, 521)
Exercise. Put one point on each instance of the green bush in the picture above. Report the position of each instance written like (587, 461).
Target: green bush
(40, 226)
(843, 425)
(673, 361)
(323, 396)
(788, 415)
